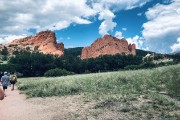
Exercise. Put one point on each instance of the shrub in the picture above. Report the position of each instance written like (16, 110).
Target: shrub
(146, 65)
(57, 72)
(18, 74)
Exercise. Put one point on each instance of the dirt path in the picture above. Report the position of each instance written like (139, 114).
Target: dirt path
(17, 107)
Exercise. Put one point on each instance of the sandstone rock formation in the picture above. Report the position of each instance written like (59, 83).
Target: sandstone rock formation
(44, 42)
(108, 45)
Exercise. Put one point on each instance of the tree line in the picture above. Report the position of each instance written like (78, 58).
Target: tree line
(36, 64)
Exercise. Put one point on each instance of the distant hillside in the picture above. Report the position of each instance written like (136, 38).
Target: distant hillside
(177, 53)
(77, 52)
(74, 52)
(142, 52)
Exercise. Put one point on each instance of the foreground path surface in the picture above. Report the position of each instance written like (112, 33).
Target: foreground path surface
(73, 107)
(17, 107)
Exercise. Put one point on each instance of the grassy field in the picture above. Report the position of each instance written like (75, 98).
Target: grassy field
(146, 94)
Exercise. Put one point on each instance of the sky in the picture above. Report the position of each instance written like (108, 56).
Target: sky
(152, 25)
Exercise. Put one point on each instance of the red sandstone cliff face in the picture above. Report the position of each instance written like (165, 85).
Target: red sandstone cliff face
(44, 42)
(108, 45)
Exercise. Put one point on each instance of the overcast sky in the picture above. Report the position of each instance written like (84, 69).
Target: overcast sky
(152, 24)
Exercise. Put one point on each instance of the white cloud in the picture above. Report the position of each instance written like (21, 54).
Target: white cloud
(105, 8)
(178, 40)
(178, 10)
(56, 26)
(17, 17)
(118, 34)
(80, 20)
(176, 46)
(107, 24)
(166, 1)
(9, 38)
(116, 5)
(68, 38)
(139, 14)
(139, 41)
(124, 29)
(162, 29)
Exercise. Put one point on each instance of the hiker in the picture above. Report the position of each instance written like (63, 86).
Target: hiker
(1, 74)
(5, 82)
(13, 80)
(1, 94)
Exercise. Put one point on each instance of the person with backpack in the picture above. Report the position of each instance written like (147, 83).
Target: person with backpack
(13, 80)
(5, 82)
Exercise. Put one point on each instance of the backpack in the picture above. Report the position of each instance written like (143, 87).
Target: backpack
(14, 78)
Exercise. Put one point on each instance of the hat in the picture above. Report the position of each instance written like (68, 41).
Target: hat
(5, 73)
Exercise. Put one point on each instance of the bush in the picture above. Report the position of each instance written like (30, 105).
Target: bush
(146, 65)
(57, 72)
(19, 74)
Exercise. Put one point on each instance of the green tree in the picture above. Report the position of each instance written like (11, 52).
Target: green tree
(32, 64)
(4, 51)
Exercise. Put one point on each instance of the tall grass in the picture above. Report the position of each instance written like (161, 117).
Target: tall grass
(121, 82)
(130, 94)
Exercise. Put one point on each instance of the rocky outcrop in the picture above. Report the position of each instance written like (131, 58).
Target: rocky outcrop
(44, 42)
(108, 45)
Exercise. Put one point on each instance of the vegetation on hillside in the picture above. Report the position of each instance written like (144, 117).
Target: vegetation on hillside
(36, 64)
(146, 94)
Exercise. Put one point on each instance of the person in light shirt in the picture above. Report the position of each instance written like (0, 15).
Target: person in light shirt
(5, 82)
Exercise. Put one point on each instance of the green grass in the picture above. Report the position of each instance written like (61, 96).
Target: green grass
(122, 82)
(133, 93)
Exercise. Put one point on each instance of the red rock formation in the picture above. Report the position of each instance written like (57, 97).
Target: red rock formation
(44, 42)
(108, 45)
